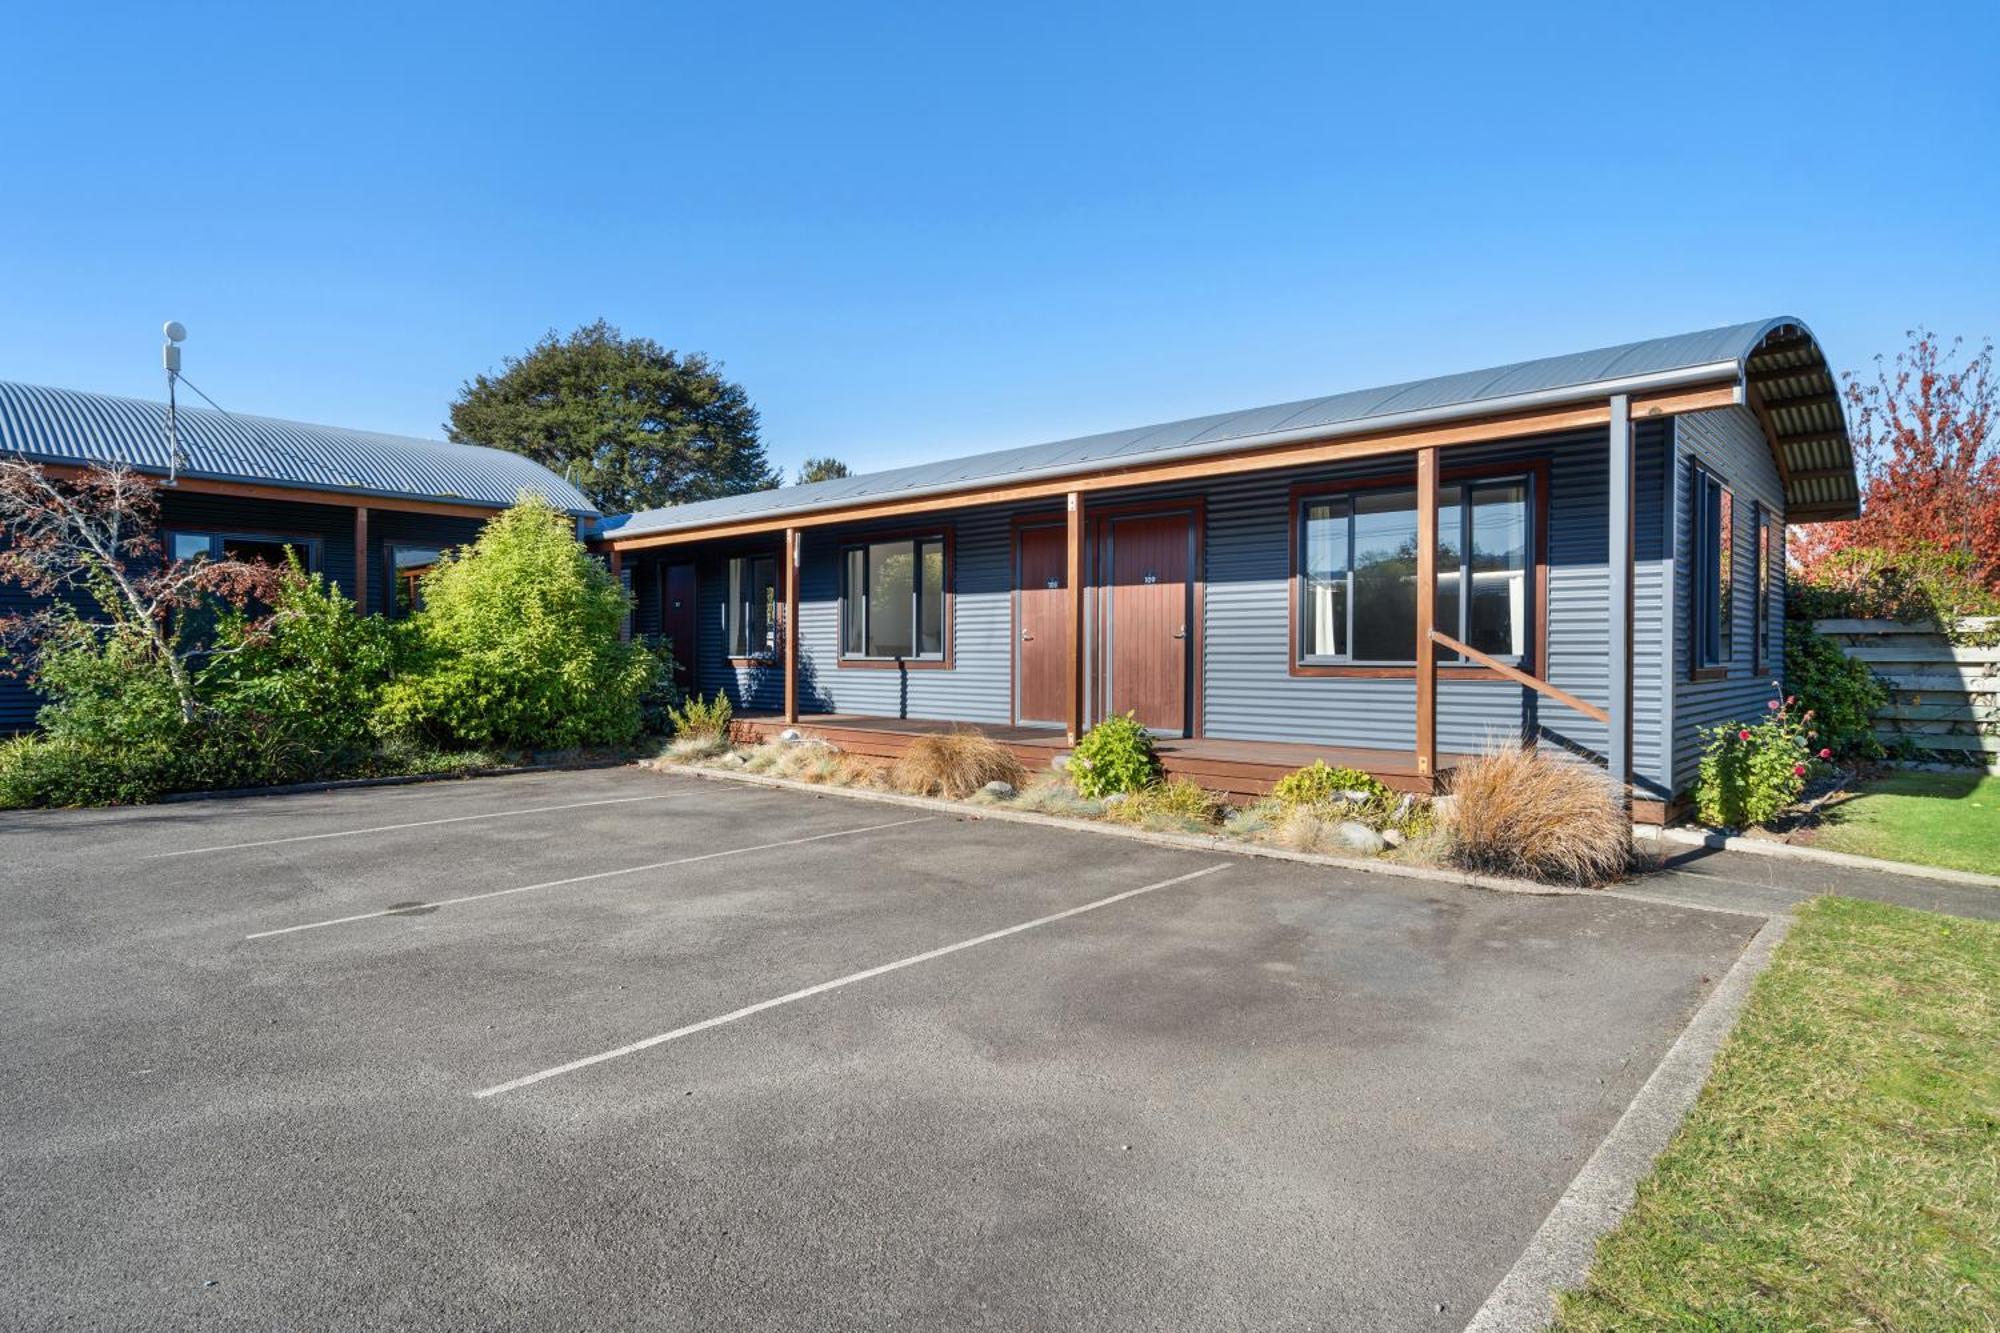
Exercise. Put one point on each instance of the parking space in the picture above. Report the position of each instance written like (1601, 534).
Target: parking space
(613, 1048)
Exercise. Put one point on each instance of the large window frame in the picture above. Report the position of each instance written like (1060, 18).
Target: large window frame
(405, 595)
(747, 641)
(1712, 568)
(1767, 544)
(219, 539)
(1533, 474)
(855, 611)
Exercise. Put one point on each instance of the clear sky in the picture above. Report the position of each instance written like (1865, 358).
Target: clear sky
(918, 231)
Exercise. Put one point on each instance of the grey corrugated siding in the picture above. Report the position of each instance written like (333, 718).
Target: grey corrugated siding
(70, 426)
(1729, 441)
(1250, 693)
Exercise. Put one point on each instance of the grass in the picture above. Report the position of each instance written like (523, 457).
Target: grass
(1526, 812)
(1949, 820)
(955, 764)
(1842, 1167)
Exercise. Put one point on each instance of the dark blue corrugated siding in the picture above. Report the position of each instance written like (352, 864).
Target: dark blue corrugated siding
(388, 527)
(1729, 441)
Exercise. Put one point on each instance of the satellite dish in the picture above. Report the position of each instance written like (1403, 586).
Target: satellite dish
(174, 330)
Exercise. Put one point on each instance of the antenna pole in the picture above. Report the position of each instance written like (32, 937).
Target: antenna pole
(170, 357)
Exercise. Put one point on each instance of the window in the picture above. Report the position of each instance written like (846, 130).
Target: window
(241, 546)
(1358, 567)
(1766, 542)
(753, 606)
(407, 566)
(1713, 614)
(892, 600)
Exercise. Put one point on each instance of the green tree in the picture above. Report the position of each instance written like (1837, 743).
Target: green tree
(519, 643)
(822, 469)
(634, 425)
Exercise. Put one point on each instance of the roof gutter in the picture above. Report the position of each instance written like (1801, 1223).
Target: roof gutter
(1685, 377)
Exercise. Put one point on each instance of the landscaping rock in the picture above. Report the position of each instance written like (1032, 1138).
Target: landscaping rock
(790, 736)
(1393, 837)
(1355, 797)
(1443, 807)
(1059, 764)
(1115, 798)
(999, 790)
(1353, 833)
(1402, 810)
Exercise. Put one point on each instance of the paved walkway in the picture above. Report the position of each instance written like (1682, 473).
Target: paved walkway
(1747, 882)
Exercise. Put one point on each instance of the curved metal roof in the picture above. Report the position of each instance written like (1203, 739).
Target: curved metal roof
(70, 426)
(1658, 363)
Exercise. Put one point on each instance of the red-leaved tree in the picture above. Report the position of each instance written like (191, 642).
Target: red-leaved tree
(1925, 440)
(86, 546)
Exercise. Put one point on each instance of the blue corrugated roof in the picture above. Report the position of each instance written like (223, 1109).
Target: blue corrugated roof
(70, 426)
(1577, 371)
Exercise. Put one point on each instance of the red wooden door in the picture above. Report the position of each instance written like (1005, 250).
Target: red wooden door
(677, 619)
(1146, 633)
(1041, 653)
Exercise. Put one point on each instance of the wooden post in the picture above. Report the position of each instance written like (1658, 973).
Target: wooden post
(615, 558)
(1073, 669)
(361, 562)
(1619, 750)
(1427, 547)
(791, 625)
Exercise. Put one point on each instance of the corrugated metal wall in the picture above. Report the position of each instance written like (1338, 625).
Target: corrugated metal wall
(1729, 442)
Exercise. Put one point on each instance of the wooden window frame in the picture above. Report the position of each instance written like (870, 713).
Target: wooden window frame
(1704, 574)
(1760, 615)
(308, 546)
(393, 577)
(942, 662)
(1536, 470)
(776, 657)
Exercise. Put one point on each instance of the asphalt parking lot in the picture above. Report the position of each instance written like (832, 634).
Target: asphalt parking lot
(619, 1049)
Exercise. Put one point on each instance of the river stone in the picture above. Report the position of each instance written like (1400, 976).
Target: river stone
(1001, 790)
(1353, 833)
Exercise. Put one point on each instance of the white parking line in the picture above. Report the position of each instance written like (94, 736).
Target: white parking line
(410, 908)
(824, 986)
(417, 823)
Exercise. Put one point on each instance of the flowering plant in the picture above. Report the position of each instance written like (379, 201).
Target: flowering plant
(1751, 773)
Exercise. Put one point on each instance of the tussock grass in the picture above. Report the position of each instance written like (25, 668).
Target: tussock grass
(1054, 796)
(1177, 805)
(1842, 1167)
(693, 749)
(1522, 812)
(955, 764)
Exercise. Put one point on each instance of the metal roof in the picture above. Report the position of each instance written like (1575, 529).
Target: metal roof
(70, 426)
(1656, 364)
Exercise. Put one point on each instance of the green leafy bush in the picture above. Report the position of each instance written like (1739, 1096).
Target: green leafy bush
(1751, 774)
(518, 643)
(1928, 585)
(1840, 695)
(662, 693)
(1317, 783)
(701, 720)
(1116, 755)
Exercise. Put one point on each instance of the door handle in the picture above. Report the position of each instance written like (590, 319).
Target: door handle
(1181, 633)
(1025, 636)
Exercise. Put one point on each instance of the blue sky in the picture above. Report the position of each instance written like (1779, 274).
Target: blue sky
(918, 231)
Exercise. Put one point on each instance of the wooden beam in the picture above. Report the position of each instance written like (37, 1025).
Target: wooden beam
(1339, 449)
(1704, 399)
(361, 561)
(302, 495)
(1519, 677)
(617, 564)
(1426, 672)
(791, 624)
(1619, 667)
(1823, 474)
(1073, 668)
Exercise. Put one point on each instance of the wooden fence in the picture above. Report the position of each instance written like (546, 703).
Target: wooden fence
(1944, 699)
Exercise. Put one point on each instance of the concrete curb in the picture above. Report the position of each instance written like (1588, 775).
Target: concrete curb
(1703, 837)
(1182, 841)
(392, 780)
(1560, 1254)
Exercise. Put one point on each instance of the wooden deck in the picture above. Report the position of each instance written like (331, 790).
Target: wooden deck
(1245, 770)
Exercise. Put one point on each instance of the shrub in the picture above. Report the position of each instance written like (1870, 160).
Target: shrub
(306, 682)
(1177, 801)
(1114, 756)
(1316, 784)
(518, 643)
(955, 764)
(1751, 774)
(699, 720)
(658, 700)
(1519, 811)
(1839, 694)
(1925, 585)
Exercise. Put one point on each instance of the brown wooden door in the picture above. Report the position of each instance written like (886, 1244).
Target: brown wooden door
(1041, 625)
(1146, 626)
(677, 619)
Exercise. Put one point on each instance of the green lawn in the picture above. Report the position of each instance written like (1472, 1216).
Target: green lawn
(1934, 819)
(1839, 1170)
